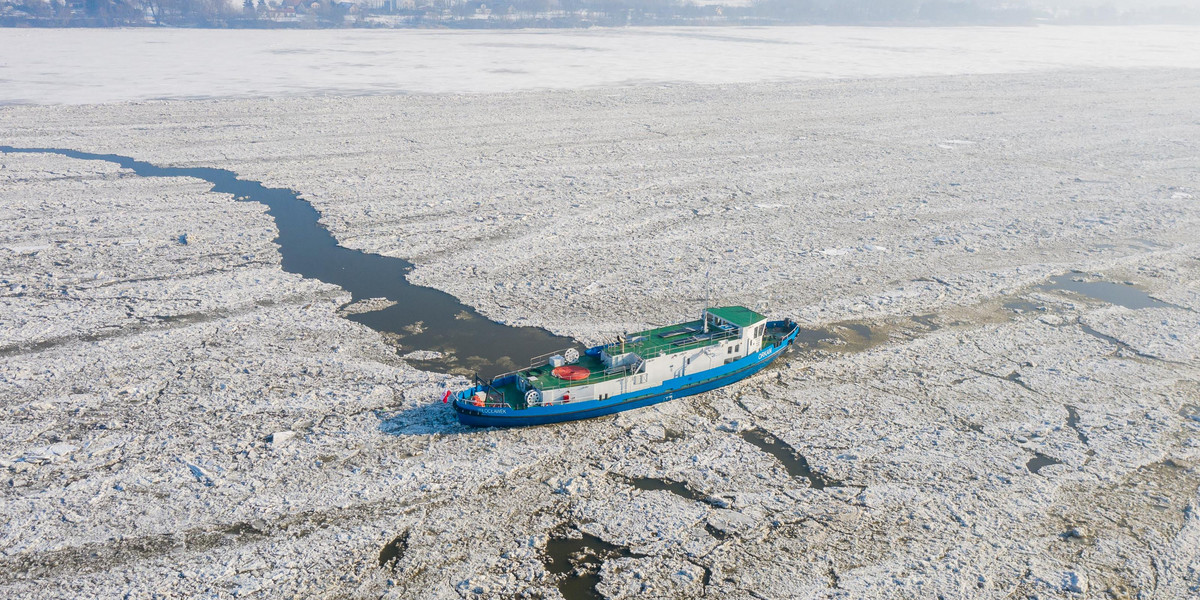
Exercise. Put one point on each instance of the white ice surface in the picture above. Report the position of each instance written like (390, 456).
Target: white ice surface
(141, 378)
(84, 66)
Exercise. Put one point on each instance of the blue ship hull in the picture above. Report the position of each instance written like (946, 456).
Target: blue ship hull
(669, 390)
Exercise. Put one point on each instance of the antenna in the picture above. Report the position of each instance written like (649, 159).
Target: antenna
(708, 287)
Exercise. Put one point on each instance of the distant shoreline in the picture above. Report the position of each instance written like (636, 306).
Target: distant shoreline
(534, 25)
(97, 66)
(583, 14)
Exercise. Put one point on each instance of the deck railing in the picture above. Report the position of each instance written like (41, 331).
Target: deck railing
(495, 397)
(543, 359)
(540, 360)
(605, 375)
(638, 367)
(492, 397)
(671, 348)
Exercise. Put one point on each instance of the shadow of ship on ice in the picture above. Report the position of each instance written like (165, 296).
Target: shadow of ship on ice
(421, 419)
(427, 318)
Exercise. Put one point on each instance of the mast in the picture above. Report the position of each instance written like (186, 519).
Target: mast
(707, 291)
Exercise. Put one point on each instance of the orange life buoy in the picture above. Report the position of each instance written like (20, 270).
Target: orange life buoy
(571, 372)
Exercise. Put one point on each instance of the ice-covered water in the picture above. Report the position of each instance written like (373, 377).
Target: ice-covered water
(193, 417)
(427, 319)
(80, 66)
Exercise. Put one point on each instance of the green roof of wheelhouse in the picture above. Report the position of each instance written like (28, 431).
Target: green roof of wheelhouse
(738, 315)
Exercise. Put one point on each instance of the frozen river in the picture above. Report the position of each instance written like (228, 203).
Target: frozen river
(995, 395)
(434, 320)
(109, 65)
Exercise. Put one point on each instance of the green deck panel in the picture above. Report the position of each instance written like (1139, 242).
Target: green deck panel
(513, 396)
(738, 315)
(652, 346)
(656, 345)
(547, 381)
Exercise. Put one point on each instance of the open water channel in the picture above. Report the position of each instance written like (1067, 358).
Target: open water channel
(425, 318)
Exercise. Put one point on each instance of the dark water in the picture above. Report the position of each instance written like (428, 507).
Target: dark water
(793, 462)
(1023, 306)
(1015, 377)
(813, 338)
(845, 336)
(1100, 336)
(580, 561)
(929, 321)
(393, 552)
(862, 330)
(717, 534)
(675, 487)
(1073, 423)
(1107, 291)
(473, 343)
(1040, 461)
(1114, 341)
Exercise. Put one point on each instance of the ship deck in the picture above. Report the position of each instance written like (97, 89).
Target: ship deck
(659, 341)
(513, 397)
(647, 344)
(542, 377)
(670, 339)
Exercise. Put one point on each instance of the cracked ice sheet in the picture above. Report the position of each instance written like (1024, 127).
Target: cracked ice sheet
(89, 248)
(138, 457)
(945, 509)
(951, 511)
(1159, 332)
(948, 499)
(585, 203)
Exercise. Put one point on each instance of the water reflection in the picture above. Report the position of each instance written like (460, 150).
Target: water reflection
(1106, 291)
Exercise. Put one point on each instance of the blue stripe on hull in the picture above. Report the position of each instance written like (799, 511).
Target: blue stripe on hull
(669, 390)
